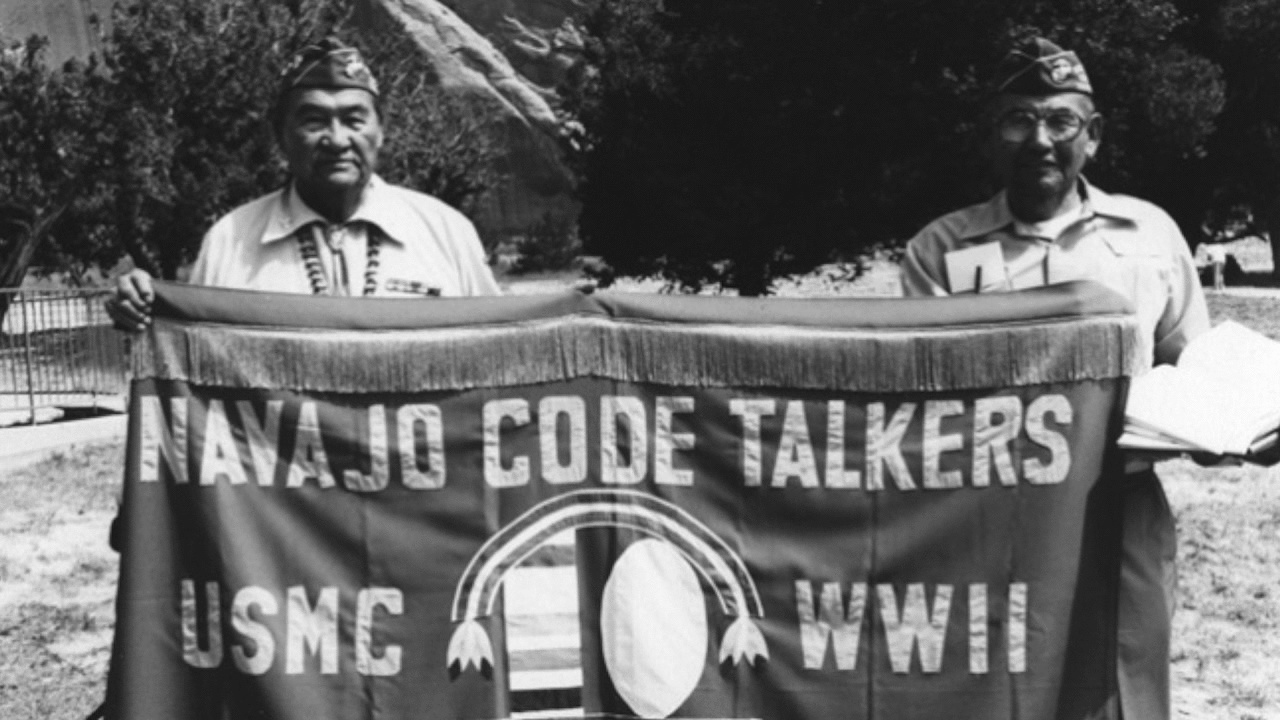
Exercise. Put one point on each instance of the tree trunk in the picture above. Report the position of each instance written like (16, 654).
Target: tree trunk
(752, 276)
(128, 208)
(1271, 221)
(14, 268)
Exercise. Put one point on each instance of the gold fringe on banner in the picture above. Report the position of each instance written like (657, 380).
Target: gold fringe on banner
(690, 355)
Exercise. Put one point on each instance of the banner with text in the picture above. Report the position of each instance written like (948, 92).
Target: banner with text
(622, 506)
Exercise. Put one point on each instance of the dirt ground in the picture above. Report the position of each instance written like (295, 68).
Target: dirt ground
(57, 582)
(1226, 655)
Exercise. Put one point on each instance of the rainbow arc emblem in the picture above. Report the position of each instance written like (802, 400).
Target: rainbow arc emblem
(717, 563)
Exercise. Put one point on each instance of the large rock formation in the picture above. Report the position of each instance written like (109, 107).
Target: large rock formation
(66, 23)
(538, 37)
(518, 54)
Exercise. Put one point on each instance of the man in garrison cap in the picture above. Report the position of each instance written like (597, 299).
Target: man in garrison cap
(335, 228)
(1048, 225)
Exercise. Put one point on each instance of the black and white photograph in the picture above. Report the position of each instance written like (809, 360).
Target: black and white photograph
(612, 359)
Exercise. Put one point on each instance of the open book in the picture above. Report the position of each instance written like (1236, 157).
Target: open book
(1223, 397)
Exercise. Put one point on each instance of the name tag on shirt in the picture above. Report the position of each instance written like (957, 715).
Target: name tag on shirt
(412, 287)
(976, 269)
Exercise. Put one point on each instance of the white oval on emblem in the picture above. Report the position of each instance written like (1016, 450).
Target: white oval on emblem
(653, 626)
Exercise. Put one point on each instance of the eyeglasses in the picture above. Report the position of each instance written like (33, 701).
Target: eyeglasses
(1016, 126)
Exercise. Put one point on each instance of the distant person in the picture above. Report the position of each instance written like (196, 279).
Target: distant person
(1049, 225)
(336, 228)
(1217, 257)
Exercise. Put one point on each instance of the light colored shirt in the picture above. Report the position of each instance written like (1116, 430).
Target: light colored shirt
(1136, 249)
(429, 247)
(1127, 244)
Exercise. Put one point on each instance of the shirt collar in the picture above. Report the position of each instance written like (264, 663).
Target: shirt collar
(994, 214)
(289, 213)
(1101, 203)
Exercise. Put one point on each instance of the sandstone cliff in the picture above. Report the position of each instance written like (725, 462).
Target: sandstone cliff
(519, 53)
(66, 23)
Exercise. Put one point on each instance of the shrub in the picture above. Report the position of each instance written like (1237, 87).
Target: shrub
(551, 244)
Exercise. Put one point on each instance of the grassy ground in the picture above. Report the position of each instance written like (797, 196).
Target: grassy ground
(1226, 654)
(57, 582)
(57, 576)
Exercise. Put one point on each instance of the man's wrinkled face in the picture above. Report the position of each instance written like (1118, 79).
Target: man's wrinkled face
(331, 138)
(1039, 143)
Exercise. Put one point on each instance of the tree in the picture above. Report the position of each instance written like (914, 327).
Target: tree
(1239, 176)
(46, 129)
(738, 142)
(189, 85)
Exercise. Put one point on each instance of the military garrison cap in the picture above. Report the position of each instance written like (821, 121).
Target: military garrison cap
(330, 64)
(1039, 67)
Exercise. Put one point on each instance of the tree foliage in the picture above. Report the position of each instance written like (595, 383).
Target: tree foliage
(47, 126)
(730, 143)
(739, 142)
(1238, 180)
(191, 84)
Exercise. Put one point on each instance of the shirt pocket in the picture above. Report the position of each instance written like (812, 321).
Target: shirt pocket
(1130, 246)
(1136, 268)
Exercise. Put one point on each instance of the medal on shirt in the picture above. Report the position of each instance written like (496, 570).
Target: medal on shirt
(412, 287)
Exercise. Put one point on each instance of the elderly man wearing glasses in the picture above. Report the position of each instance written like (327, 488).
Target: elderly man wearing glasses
(1049, 225)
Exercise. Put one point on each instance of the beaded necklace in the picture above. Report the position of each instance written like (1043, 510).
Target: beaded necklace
(315, 271)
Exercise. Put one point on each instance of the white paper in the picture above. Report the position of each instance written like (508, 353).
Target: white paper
(963, 268)
(1222, 397)
(1234, 352)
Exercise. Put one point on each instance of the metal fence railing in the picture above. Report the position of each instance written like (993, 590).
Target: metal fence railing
(58, 349)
